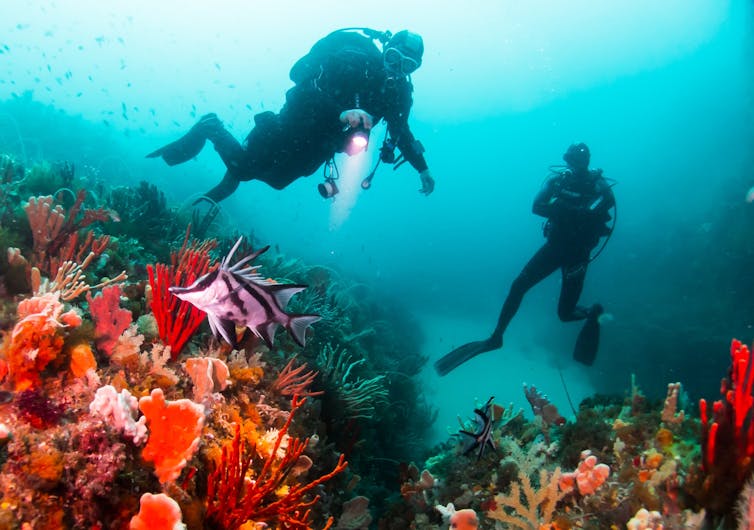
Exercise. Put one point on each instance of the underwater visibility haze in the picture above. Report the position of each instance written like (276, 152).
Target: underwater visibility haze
(661, 92)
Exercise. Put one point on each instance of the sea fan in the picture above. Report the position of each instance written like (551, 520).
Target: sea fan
(745, 507)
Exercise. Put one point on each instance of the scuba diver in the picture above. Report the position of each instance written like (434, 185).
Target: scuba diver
(343, 87)
(576, 201)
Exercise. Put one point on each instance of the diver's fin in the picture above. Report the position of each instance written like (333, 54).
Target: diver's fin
(588, 341)
(460, 355)
(183, 149)
(190, 144)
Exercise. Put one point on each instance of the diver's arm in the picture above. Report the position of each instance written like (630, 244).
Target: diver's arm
(399, 104)
(545, 201)
(410, 147)
(609, 197)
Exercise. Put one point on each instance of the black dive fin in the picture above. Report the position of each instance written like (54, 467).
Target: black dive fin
(588, 342)
(183, 149)
(460, 355)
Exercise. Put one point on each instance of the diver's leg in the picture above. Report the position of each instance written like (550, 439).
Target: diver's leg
(229, 149)
(227, 186)
(588, 339)
(541, 265)
(570, 292)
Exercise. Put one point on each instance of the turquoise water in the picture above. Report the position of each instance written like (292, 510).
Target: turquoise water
(661, 92)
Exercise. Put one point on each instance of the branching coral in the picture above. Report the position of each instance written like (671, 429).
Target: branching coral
(56, 233)
(177, 319)
(236, 496)
(360, 397)
(537, 505)
(295, 381)
(728, 433)
(110, 321)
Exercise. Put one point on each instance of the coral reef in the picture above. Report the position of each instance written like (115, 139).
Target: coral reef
(121, 410)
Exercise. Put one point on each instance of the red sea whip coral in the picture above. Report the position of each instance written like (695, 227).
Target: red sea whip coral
(178, 320)
(234, 497)
(728, 439)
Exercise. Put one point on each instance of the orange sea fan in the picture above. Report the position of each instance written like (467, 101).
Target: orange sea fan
(175, 428)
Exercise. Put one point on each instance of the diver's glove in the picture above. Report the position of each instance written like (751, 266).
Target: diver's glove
(428, 183)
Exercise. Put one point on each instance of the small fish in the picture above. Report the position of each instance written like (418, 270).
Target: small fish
(483, 438)
(238, 296)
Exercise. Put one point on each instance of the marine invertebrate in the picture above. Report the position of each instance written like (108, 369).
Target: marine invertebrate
(208, 375)
(110, 320)
(70, 280)
(295, 381)
(178, 320)
(157, 512)
(37, 409)
(56, 232)
(537, 505)
(465, 519)
(645, 520)
(82, 360)
(174, 428)
(359, 397)
(728, 433)
(588, 476)
(145, 215)
(35, 339)
(235, 495)
(670, 414)
(117, 409)
(544, 409)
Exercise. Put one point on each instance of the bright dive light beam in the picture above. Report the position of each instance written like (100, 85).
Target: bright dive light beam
(351, 171)
(358, 142)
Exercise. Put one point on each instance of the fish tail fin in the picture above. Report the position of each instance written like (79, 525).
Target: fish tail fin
(297, 327)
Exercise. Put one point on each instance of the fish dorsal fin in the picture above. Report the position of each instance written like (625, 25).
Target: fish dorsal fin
(247, 259)
(226, 260)
(297, 327)
(283, 292)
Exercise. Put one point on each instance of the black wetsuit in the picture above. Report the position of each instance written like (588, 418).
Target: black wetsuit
(577, 211)
(343, 71)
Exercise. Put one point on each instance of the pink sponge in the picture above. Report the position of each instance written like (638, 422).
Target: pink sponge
(588, 476)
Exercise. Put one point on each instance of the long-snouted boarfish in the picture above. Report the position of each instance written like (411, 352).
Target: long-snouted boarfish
(238, 296)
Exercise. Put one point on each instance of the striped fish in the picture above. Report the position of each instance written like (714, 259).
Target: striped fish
(238, 296)
(480, 440)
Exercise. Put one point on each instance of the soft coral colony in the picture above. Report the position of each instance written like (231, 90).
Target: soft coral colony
(105, 425)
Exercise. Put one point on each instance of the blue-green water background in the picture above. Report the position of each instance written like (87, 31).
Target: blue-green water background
(661, 92)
